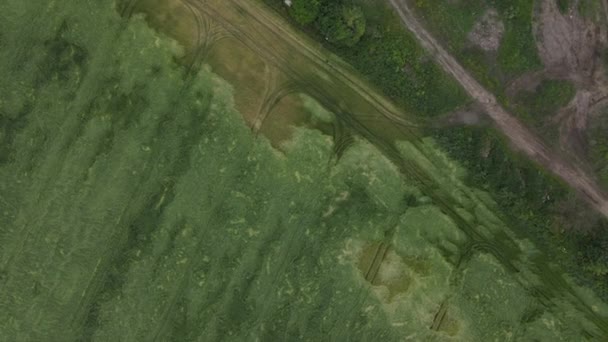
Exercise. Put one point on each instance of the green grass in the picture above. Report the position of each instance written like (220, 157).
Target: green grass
(599, 146)
(564, 5)
(593, 10)
(537, 108)
(517, 53)
(452, 22)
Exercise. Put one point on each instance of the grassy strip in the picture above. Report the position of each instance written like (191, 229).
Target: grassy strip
(563, 5)
(599, 147)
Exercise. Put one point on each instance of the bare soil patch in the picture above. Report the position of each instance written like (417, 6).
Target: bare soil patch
(472, 115)
(571, 49)
(527, 82)
(488, 31)
(568, 46)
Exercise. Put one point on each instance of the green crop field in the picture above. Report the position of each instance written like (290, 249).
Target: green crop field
(139, 202)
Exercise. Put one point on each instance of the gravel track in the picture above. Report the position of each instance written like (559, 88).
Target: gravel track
(520, 137)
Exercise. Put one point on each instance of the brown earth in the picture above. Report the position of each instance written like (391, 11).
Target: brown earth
(570, 48)
(520, 137)
(527, 82)
(471, 115)
(488, 31)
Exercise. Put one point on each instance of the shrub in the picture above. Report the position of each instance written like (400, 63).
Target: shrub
(304, 11)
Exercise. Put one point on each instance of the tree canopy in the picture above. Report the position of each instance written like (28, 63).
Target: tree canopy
(343, 24)
(304, 11)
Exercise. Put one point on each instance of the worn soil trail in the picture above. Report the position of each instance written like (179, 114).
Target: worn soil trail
(517, 133)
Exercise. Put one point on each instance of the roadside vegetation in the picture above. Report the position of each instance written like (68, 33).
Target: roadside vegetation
(533, 201)
(564, 5)
(537, 107)
(372, 39)
(535, 204)
(599, 146)
(591, 9)
(452, 22)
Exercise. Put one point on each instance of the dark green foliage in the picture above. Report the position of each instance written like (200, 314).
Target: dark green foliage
(563, 5)
(516, 184)
(537, 107)
(592, 9)
(548, 97)
(598, 141)
(63, 60)
(342, 24)
(592, 258)
(406, 73)
(517, 52)
(304, 11)
(387, 54)
(534, 203)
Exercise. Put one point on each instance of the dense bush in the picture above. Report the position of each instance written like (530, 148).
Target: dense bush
(537, 107)
(304, 11)
(563, 5)
(535, 204)
(342, 24)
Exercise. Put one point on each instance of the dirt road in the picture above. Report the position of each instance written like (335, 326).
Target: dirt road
(517, 133)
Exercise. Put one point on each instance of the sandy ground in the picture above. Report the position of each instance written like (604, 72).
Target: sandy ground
(488, 32)
(521, 138)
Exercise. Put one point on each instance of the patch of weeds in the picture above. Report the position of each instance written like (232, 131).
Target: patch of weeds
(548, 98)
(452, 22)
(598, 146)
(517, 52)
(563, 5)
(591, 9)
(538, 107)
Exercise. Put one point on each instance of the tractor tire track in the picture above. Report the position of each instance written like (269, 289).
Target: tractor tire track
(332, 93)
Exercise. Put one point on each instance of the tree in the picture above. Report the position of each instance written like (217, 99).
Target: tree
(304, 11)
(343, 24)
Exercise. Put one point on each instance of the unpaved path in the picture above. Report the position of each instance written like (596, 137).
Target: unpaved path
(517, 133)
